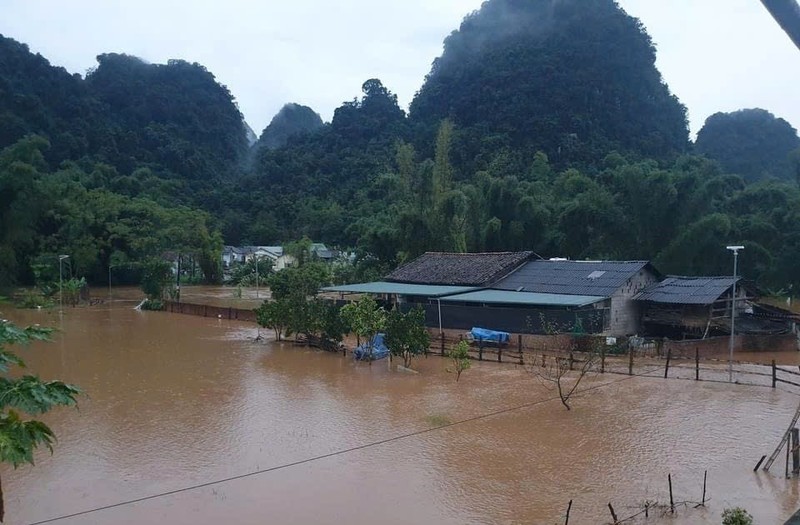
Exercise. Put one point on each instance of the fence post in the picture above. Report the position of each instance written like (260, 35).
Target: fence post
(603, 359)
(630, 359)
(571, 359)
(480, 349)
(666, 368)
(697, 364)
(795, 451)
(230, 312)
(671, 500)
(499, 354)
(519, 347)
(441, 337)
(774, 374)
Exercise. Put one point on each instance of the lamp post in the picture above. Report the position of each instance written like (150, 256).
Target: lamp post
(61, 259)
(735, 250)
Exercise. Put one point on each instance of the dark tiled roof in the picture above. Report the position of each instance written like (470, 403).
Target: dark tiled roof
(459, 269)
(687, 290)
(601, 278)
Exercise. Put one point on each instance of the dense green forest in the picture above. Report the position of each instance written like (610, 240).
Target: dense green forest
(542, 126)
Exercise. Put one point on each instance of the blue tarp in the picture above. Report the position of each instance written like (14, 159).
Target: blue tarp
(484, 334)
(379, 349)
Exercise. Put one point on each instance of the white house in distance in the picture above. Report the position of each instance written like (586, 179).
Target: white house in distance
(241, 254)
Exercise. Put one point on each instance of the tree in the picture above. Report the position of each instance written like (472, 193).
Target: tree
(555, 371)
(459, 356)
(365, 318)
(274, 315)
(406, 335)
(736, 516)
(25, 396)
(156, 278)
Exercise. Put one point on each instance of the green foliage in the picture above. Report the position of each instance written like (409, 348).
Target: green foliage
(406, 335)
(155, 305)
(25, 298)
(156, 278)
(245, 274)
(736, 516)
(25, 395)
(275, 315)
(299, 282)
(364, 318)
(459, 357)
(752, 143)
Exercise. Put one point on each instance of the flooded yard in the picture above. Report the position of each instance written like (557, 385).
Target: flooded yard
(179, 401)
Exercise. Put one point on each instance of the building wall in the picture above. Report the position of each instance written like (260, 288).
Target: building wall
(626, 314)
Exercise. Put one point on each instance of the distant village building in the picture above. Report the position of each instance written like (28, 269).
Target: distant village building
(232, 255)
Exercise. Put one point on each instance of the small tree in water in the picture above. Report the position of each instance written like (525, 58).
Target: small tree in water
(459, 356)
(365, 318)
(406, 335)
(736, 516)
(26, 395)
(274, 315)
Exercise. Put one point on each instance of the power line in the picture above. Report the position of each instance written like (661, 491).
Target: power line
(328, 455)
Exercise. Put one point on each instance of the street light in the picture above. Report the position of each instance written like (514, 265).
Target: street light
(256, 257)
(735, 250)
(61, 259)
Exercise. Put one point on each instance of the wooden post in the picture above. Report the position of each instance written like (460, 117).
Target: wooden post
(774, 374)
(788, 448)
(705, 476)
(603, 359)
(795, 451)
(441, 337)
(480, 349)
(760, 461)
(666, 368)
(499, 354)
(613, 514)
(569, 507)
(697, 364)
(671, 500)
(630, 360)
(230, 312)
(205, 310)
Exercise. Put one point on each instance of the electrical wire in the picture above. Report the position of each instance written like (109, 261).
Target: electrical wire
(328, 455)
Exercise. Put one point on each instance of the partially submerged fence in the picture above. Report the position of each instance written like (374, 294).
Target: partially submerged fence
(204, 310)
(644, 359)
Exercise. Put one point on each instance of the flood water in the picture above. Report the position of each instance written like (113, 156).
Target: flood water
(175, 401)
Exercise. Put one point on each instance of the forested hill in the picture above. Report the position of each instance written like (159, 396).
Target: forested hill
(573, 79)
(752, 143)
(174, 119)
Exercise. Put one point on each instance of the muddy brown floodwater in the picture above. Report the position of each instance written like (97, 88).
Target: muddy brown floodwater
(175, 401)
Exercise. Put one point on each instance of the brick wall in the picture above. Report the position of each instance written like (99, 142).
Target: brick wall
(625, 313)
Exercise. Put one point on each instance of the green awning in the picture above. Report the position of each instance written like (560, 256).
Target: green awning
(383, 287)
(523, 298)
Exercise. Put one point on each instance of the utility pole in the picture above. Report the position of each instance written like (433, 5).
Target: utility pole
(735, 250)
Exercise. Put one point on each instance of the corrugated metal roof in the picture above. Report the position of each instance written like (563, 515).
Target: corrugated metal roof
(459, 269)
(378, 287)
(687, 290)
(528, 298)
(593, 278)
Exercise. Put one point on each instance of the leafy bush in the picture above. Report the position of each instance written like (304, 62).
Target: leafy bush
(736, 516)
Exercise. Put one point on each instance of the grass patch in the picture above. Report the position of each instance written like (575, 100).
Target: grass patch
(438, 420)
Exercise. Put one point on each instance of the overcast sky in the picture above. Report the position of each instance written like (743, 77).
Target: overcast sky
(716, 55)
